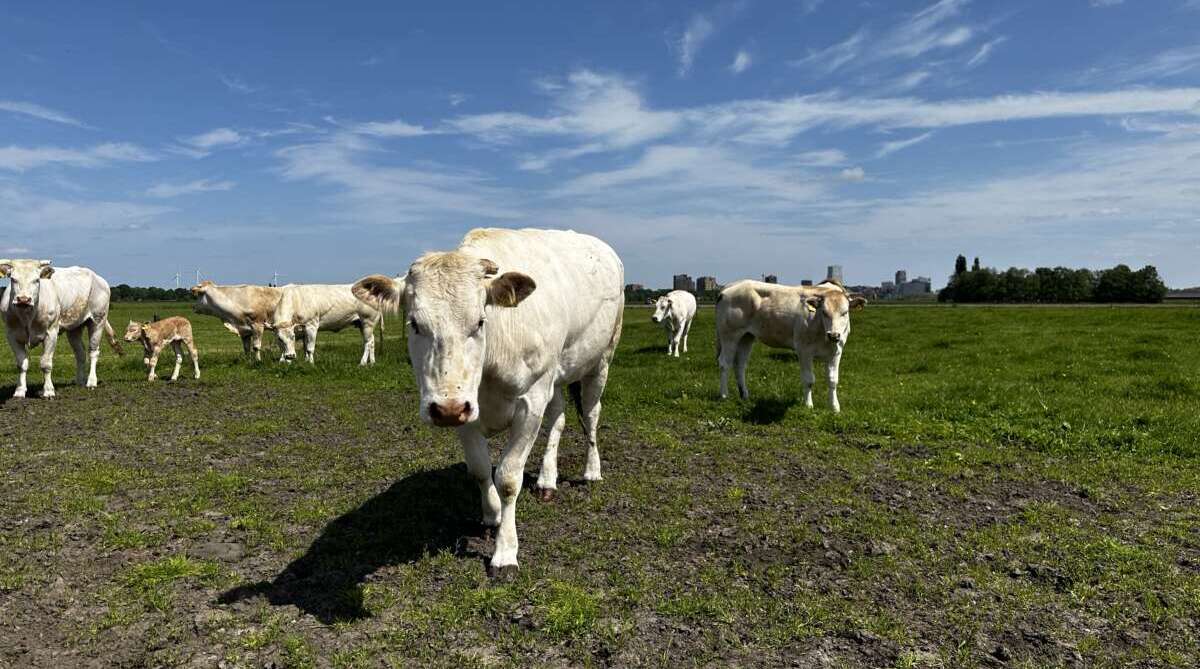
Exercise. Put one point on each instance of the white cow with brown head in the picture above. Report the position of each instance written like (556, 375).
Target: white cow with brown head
(675, 311)
(42, 301)
(246, 310)
(813, 321)
(497, 328)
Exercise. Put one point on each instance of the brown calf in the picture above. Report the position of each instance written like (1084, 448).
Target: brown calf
(176, 331)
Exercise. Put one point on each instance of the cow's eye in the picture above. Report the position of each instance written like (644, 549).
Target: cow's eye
(479, 326)
(412, 322)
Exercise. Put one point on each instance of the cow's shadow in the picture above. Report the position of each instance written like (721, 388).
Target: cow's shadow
(767, 410)
(423, 513)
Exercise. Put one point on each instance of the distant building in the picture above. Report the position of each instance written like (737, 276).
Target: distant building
(901, 277)
(887, 287)
(805, 282)
(834, 273)
(705, 284)
(683, 282)
(921, 285)
(634, 287)
(770, 278)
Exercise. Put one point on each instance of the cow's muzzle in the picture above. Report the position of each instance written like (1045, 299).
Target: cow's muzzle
(833, 337)
(22, 301)
(449, 414)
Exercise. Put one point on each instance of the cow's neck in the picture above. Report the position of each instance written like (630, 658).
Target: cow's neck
(223, 303)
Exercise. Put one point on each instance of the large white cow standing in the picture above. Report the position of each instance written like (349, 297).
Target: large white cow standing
(43, 300)
(246, 310)
(497, 328)
(675, 311)
(310, 308)
(813, 321)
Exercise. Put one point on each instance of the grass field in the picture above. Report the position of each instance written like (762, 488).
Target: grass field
(1005, 487)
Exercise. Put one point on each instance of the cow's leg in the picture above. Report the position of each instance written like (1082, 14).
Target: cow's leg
(555, 420)
(191, 344)
(256, 333)
(510, 472)
(95, 334)
(726, 356)
(687, 329)
(21, 355)
(368, 335)
(76, 338)
(479, 464)
(742, 358)
(246, 347)
(178, 359)
(47, 362)
(676, 338)
(593, 388)
(831, 375)
(806, 375)
(152, 375)
(310, 343)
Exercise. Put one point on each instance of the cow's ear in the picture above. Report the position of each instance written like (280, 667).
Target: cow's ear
(649, 300)
(814, 302)
(490, 268)
(509, 289)
(47, 269)
(858, 303)
(379, 291)
(5, 267)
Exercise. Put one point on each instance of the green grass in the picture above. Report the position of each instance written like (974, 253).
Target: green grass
(1021, 479)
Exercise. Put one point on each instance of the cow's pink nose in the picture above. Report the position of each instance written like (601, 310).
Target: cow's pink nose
(24, 300)
(450, 414)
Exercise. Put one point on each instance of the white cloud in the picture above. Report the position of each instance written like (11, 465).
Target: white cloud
(214, 139)
(167, 190)
(888, 148)
(911, 80)
(371, 61)
(823, 158)
(1105, 3)
(456, 99)
(810, 6)
(395, 128)
(741, 62)
(1169, 63)
(236, 84)
(699, 29)
(20, 159)
(40, 112)
(22, 210)
(853, 174)
(377, 193)
(832, 58)
(984, 52)
(15, 250)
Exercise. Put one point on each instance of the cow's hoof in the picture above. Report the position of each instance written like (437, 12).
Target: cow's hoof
(545, 494)
(19, 394)
(504, 574)
(48, 394)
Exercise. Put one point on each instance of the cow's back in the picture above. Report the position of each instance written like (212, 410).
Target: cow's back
(330, 303)
(82, 294)
(573, 317)
(766, 310)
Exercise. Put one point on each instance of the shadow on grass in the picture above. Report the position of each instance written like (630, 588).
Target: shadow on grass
(421, 514)
(766, 411)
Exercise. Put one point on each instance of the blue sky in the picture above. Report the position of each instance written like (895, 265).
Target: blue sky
(733, 138)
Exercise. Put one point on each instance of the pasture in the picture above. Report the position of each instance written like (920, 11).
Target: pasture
(1005, 487)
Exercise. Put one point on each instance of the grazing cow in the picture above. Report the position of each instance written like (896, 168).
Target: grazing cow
(43, 300)
(155, 335)
(496, 328)
(309, 308)
(246, 310)
(675, 311)
(813, 321)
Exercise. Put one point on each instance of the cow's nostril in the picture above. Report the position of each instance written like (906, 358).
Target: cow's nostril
(434, 410)
(466, 410)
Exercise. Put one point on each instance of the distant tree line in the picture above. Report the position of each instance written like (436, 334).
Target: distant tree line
(1058, 285)
(640, 296)
(126, 293)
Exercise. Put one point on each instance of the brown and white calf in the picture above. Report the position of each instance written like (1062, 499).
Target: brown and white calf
(245, 309)
(42, 301)
(497, 328)
(813, 321)
(156, 335)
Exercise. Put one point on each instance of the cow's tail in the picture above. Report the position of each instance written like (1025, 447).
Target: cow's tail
(112, 338)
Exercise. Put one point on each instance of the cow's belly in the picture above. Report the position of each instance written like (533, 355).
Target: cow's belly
(581, 355)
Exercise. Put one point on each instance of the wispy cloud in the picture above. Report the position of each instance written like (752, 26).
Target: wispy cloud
(853, 174)
(741, 62)
(167, 190)
(823, 158)
(834, 57)
(22, 209)
(1105, 3)
(39, 112)
(199, 146)
(236, 84)
(910, 80)
(1163, 65)
(394, 128)
(888, 148)
(984, 52)
(456, 99)
(20, 159)
(371, 61)
(699, 29)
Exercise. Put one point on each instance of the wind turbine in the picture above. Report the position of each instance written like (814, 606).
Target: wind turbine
(176, 279)
(275, 278)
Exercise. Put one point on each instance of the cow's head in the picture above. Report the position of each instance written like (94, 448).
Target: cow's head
(203, 303)
(662, 309)
(832, 310)
(133, 331)
(25, 280)
(447, 298)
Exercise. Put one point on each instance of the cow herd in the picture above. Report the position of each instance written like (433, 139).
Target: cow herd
(498, 329)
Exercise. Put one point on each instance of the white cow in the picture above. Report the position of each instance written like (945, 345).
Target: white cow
(497, 327)
(41, 301)
(813, 321)
(675, 311)
(309, 308)
(246, 310)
